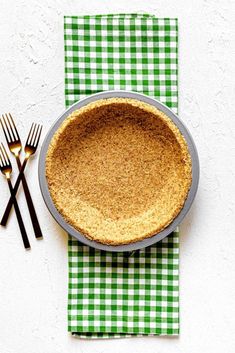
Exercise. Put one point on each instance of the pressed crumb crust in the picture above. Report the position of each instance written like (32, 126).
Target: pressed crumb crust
(118, 170)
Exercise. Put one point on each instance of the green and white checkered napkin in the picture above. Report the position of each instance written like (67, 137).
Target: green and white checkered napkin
(111, 294)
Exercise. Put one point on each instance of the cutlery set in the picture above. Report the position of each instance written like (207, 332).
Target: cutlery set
(15, 147)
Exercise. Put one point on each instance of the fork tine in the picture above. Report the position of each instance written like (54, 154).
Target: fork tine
(1, 159)
(32, 136)
(3, 156)
(10, 128)
(5, 129)
(29, 135)
(6, 155)
(38, 138)
(35, 135)
(13, 123)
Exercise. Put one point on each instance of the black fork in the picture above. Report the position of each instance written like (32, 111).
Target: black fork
(30, 148)
(6, 169)
(15, 146)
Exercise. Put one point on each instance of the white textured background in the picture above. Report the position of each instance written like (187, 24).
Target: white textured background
(33, 285)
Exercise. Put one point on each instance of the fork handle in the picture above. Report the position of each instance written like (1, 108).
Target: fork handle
(32, 211)
(19, 217)
(14, 191)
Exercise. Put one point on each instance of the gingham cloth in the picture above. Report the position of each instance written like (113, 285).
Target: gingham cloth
(110, 294)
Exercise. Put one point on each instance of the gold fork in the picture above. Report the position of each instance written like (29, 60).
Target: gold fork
(30, 148)
(6, 169)
(15, 146)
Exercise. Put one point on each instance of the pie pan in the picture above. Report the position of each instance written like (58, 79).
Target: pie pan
(45, 186)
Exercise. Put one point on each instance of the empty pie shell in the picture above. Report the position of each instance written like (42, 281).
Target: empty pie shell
(118, 170)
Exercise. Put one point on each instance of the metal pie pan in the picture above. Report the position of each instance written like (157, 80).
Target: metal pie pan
(148, 241)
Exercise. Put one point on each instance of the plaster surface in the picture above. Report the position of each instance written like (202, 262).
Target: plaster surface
(33, 284)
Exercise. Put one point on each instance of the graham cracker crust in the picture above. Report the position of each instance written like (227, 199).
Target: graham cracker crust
(118, 170)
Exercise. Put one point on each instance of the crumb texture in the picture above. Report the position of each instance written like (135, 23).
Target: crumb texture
(118, 170)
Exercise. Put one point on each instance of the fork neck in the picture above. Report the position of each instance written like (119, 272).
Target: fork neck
(26, 158)
(17, 157)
